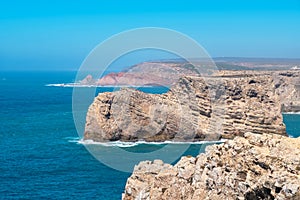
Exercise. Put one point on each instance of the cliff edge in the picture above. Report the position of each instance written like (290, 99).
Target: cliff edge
(250, 167)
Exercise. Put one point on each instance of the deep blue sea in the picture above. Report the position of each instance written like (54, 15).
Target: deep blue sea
(38, 156)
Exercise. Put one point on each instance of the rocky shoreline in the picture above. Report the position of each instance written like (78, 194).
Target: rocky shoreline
(256, 166)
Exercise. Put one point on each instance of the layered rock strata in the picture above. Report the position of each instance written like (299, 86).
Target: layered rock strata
(287, 85)
(251, 167)
(194, 109)
(287, 82)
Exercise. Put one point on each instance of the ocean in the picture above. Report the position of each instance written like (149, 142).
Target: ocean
(41, 155)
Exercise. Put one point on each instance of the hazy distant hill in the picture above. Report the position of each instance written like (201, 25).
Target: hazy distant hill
(166, 72)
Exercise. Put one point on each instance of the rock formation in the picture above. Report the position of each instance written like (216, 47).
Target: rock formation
(195, 108)
(251, 167)
(88, 80)
(287, 84)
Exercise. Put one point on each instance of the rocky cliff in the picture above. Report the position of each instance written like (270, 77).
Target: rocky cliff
(287, 85)
(251, 167)
(195, 108)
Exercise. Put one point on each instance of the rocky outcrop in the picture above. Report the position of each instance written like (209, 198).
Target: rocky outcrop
(194, 109)
(287, 84)
(88, 80)
(251, 167)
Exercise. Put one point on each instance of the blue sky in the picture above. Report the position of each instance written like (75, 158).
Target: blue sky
(58, 35)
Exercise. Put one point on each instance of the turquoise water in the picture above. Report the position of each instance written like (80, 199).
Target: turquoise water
(292, 122)
(38, 159)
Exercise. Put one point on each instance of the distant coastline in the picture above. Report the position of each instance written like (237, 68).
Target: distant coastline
(166, 72)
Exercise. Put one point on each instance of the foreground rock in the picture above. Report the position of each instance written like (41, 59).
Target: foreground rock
(194, 109)
(250, 167)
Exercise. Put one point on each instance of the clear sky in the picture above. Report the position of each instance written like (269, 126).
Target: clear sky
(58, 35)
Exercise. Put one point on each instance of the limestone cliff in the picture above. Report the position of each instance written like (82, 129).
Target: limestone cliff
(250, 167)
(195, 108)
(287, 85)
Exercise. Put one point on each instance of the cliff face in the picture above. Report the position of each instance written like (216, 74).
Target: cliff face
(251, 167)
(287, 85)
(194, 109)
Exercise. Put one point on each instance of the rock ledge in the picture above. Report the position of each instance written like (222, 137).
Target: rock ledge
(251, 167)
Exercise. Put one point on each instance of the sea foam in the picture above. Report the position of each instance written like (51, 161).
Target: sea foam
(98, 86)
(69, 85)
(291, 113)
(132, 144)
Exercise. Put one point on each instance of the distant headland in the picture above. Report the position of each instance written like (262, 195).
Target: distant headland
(166, 72)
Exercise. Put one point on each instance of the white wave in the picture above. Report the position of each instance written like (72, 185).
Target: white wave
(100, 86)
(108, 144)
(291, 113)
(69, 85)
(72, 139)
(132, 144)
(292, 136)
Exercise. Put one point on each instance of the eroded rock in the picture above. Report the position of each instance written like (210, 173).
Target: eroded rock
(251, 167)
